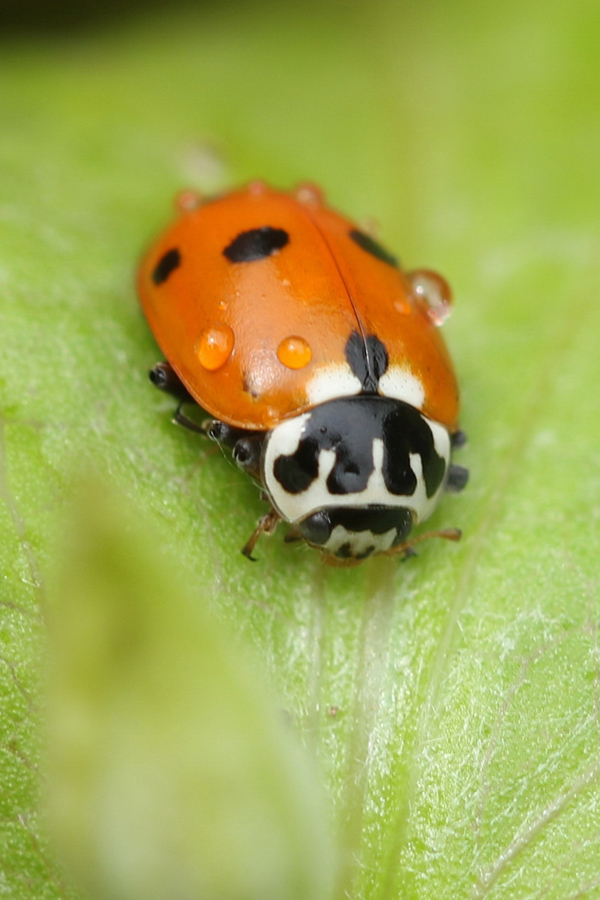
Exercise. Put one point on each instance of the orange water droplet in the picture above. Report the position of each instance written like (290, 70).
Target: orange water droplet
(309, 193)
(187, 200)
(270, 416)
(213, 348)
(257, 187)
(294, 352)
(402, 306)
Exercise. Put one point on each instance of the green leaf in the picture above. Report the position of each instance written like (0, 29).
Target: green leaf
(170, 773)
(452, 700)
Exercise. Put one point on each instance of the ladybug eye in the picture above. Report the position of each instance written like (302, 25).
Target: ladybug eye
(258, 243)
(170, 261)
(367, 243)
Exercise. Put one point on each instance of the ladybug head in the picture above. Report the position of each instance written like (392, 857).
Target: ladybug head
(353, 474)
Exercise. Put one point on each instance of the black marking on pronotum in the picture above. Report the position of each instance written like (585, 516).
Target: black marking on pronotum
(297, 471)
(168, 262)
(368, 359)
(349, 427)
(405, 431)
(367, 243)
(258, 243)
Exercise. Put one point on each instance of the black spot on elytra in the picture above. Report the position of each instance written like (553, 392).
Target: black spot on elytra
(168, 262)
(368, 359)
(367, 243)
(258, 243)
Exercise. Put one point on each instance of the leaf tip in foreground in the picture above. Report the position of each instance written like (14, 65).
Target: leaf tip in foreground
(170, 773)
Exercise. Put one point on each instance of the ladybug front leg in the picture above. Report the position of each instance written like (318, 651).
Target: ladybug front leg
(265, 525)
(164, 377)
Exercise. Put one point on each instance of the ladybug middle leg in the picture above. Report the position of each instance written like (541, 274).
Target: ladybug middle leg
(244, 444)
(265, 525)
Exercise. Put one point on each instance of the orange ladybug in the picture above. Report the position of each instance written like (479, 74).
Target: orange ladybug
(319, 360)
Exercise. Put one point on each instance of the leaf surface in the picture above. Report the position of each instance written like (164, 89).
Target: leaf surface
(452, 701)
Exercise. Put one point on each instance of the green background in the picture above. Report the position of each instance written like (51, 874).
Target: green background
(452, 702)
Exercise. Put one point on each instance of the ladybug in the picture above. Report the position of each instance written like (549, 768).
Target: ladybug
(318, 359)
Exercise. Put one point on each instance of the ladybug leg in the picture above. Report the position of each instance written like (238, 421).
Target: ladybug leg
(406, 547)
(220, 432)
(458, 439)
(293, 535)
(247, 452)
(457, 475)
(180, 418)
(457, 478)
(224, 434)
(163, 377)
(265, 525)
